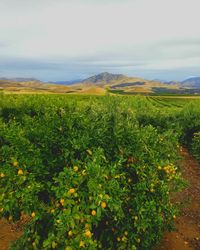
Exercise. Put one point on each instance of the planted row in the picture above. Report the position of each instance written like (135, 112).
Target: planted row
(86, 173)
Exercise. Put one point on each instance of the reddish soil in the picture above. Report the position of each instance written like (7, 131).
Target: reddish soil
(187, 233)
(8, 233)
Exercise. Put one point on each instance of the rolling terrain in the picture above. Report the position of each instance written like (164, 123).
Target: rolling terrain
(33, 86)
(101, 84)
(192, 82)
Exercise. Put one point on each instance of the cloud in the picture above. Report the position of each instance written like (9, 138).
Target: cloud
(3, 45)
(58, 36)
(30, 64)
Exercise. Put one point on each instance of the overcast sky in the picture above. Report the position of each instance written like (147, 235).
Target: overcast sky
(73, 39)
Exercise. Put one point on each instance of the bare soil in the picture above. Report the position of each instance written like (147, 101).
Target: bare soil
(187, 233)
(8, 233)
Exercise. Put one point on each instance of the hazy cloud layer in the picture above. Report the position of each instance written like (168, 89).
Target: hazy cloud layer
(67, 39)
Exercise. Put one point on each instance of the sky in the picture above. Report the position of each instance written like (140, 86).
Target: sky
(74, 39)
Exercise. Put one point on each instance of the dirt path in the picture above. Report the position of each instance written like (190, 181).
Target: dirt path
(8, 233)
(187, 234)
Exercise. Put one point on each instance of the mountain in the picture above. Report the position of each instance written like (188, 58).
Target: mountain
(121, 84)
(104, 78)
(101, 84)
(172, 82)
(67, 82)
(20, 79)
(192, 82)
(159, 80)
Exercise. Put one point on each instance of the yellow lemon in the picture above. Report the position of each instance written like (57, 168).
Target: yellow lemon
(88, 234)
(81, 244)
(62, 201)
(75, 168)
(68, 248)
(15, 164)
(124, 238)
(93, 213)
(20, 172)
(72, 191)
(33, 214)
(103, 204)
(70, 233)
(138, 240)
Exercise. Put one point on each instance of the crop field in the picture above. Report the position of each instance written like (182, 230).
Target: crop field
(93, 172)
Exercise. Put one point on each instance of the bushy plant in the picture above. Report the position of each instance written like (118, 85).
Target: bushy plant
(86, 173)
(196, 146)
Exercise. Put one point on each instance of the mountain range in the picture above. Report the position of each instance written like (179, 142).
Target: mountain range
(106, 78)
(102, 83)
(192, 82)
(19, 79)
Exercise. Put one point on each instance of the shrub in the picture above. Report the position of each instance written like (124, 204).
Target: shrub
(87, 174)
(196, 146)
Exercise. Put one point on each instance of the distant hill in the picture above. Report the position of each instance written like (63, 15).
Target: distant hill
(172, 82)
(104, 78)
(67, 82)
(122, 84)
(118, 83)
(20, 79)
(192, 82)
(9, 85)
(103, 83)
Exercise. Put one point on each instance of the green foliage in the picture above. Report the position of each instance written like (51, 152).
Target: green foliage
(190, 121)
(196, 146)
(90, 172)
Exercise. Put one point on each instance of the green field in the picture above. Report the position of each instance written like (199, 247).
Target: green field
(93, 172)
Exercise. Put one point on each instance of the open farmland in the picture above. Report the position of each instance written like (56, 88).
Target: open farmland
(93, 172)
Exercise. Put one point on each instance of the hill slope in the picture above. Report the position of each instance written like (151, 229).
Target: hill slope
(20, 79)
(104, 78)
(102, 83)
(31, 86)
(118, 83)
(192, 82)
